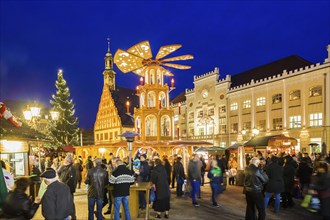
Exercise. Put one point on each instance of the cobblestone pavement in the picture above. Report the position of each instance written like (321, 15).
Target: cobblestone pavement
(232, 207)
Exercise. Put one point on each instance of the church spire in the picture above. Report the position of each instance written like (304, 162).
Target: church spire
(109, 74)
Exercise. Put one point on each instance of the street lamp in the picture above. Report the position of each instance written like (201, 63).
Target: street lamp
(31, 114)
(130, 139)
(54, 115)
(255, 131)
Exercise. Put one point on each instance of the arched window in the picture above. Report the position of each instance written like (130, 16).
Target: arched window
(162, 99)
(294, 95)
(152, 76)
(138, 125)
(142, 97)
(151, 99)
(165, 127)
(159, 77)
(151, 125)
(315, 91)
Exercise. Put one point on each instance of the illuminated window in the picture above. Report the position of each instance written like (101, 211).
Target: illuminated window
(261, 125)
(294, 95)
(277, 123)
(234, 128)
(234, 106)
(295, 121)
(277, 98)
(211, 111)
(201, 131)
(247, 125)
(247, 104)
(315, 119)
(315, 91)
(261, 101)
(222, 129)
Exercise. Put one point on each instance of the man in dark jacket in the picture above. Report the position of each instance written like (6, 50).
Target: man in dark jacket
(304, 173)
(121, 179)
(67, 175)
(57, 202)
(179, 176)
(97, 179)
(195, 176)
(275, 184)
(253, 186)
(18, 205)
(289, 171)
(143, 176)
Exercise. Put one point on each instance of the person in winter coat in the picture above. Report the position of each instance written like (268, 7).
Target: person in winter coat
(321, 183)
(159, 178)
(168, 169)
(289, 171)
(253, 187)
(17, 204)
(216, 181)
(78, 169)
(97, 179)
(57, 202)
(121, 179)
(67, 175)
(304, 174)
(143, 174)
(275, 184)
(179, 175)
(194, 175)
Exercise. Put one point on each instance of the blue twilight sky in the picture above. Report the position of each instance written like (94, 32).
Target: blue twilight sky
(39, 37)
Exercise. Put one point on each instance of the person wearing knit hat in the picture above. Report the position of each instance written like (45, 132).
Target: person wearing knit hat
(57, 201)
(67, 175)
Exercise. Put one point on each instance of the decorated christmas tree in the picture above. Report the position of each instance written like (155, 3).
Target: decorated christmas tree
(63, 130)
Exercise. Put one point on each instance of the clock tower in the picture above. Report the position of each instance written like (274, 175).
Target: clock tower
(109, 73)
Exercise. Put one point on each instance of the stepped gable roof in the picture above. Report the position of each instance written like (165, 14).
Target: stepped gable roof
(264, 71)
(120, 95)
(179, 98)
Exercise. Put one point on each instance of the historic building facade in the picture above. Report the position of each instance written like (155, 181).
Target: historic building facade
(289, 96)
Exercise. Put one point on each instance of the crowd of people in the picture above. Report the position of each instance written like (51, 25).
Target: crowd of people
(285, 176)
(273, 177)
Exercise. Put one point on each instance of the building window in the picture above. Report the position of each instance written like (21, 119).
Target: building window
(222, 129)
(200, 114)
(294, 95)
(211, 111)
(101, 137)
(295, 121)
(191, 116)
(222, 109)
(315, 91)
(261, 101)
(234, 128)
(106, 136)
(201, 131)
(277, 98)
(315, 119)
(116, 134)
(277, 123)
(247, 104)
(233, 106)
(191, 132)
(97, 137)
(247, 125)
(262, 125)
(111, 135)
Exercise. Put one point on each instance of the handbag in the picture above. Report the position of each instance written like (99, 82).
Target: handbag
(152, 196)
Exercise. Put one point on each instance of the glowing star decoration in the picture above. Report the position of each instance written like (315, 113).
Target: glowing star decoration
(138, 58)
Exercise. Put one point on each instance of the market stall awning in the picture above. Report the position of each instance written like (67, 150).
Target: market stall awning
(234, 146)
(276, 141)
(190, 143)
(68, 148)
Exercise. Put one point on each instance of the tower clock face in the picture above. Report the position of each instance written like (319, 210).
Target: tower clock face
(205, 93)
